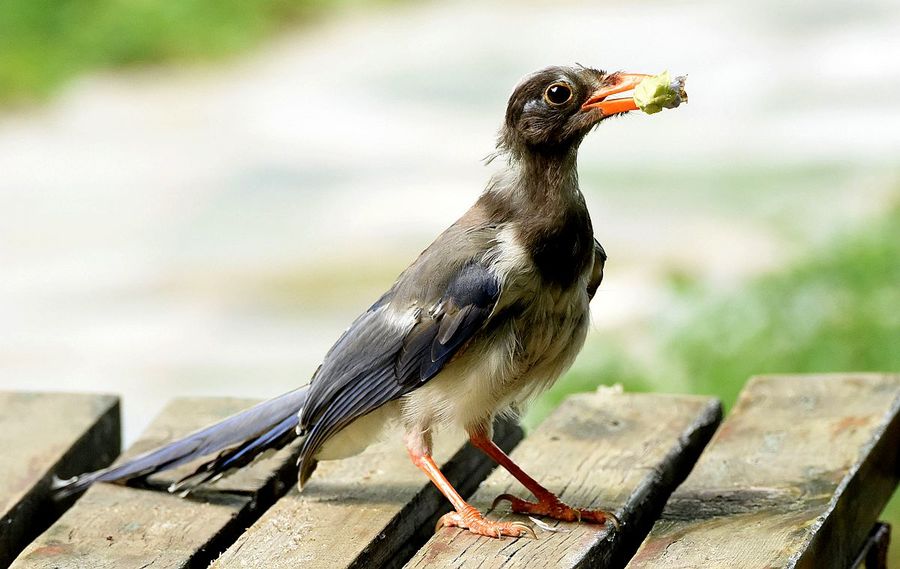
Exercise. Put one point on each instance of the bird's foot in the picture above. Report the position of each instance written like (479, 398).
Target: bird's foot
(552, 507)
(473, 520)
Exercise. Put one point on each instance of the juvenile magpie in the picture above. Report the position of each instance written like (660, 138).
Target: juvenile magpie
(488, 316)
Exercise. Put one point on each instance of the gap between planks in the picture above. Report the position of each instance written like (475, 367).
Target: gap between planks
(113, 526)
(43, 434)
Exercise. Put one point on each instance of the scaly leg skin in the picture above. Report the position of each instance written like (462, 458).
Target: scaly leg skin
(550, 506)
(465, 516)
(473, 520)
(547, 503)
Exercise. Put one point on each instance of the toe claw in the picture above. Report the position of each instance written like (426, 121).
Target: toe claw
(610, 517)
(508, 497)
(525, 528)
(598, 517)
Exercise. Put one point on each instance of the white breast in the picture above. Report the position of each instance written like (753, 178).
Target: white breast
(518, 359)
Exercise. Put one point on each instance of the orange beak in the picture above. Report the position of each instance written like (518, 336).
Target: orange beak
(623, 82)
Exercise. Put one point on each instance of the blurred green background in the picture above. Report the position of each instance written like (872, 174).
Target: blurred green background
(48, 43)
(197, 196)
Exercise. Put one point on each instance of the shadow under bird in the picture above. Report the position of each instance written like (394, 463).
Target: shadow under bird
(488, 316)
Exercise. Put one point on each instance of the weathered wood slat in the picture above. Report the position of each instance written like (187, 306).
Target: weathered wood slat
(372, 510)
(42, 434)
(621, 452)
(796, 477)
(119, 527)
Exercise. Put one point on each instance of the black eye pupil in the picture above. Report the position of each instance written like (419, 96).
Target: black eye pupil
(558, 94)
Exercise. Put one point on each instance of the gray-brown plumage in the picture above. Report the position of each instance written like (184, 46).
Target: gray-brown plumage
(489, 315)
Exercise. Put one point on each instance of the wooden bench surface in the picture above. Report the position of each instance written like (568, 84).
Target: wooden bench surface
(620, 452)
(115, 526)
(42, 434)
(364, 511)
(795, 477)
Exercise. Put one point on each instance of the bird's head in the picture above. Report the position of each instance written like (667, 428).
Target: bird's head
(551, 111)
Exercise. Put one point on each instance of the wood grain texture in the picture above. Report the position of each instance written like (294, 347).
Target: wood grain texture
(614, 451)
(119, 527)
(796, 477)
(372, 510)
(42, 434)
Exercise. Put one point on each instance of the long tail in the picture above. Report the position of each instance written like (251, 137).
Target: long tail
(239, 439)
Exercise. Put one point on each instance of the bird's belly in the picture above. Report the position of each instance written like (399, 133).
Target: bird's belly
(358, 435)
(506, 365)
(552, 335)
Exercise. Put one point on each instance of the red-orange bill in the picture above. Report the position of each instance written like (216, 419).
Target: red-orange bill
(624, 82)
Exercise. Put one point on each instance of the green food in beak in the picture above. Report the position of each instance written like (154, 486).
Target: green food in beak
(658, 92)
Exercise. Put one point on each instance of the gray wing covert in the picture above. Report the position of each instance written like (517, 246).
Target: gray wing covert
(391, 350)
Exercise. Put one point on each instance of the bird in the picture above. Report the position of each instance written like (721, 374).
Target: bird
(487, 317)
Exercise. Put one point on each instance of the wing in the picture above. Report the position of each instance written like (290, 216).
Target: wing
(597, 270)
(393, 348)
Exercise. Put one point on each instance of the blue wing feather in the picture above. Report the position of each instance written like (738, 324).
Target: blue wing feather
(378, 360)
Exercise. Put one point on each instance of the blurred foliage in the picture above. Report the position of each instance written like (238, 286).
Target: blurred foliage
(43, 43)
(835, 310)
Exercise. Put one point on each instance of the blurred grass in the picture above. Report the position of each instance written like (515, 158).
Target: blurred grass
(43, 43)
(835, 310)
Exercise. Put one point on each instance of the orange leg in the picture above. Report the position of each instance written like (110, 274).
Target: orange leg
(465, 516)
(548, 504)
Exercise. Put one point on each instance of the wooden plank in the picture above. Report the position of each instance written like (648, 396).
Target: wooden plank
(115, 526)
(620, 452)
(796, 477)
(372, 510)
(42, 434)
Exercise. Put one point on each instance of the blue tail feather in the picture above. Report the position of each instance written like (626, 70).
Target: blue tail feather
(242, 436)
(240, 456)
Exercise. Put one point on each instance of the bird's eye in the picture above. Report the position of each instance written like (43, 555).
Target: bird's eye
(558, 94)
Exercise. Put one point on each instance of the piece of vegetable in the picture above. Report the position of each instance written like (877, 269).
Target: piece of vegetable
(659, 92)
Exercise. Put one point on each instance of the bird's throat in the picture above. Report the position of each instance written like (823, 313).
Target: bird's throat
(540, 194)
(543, 180)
